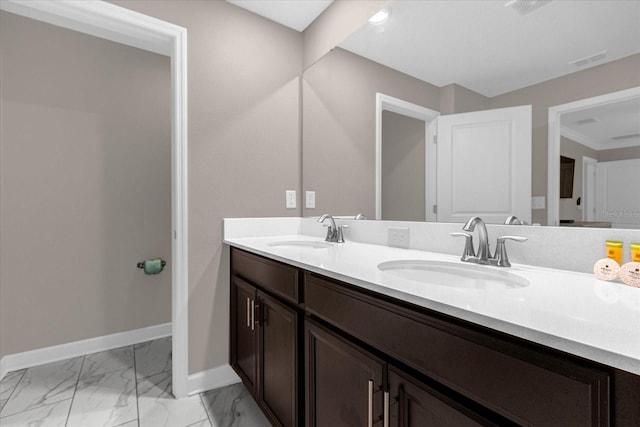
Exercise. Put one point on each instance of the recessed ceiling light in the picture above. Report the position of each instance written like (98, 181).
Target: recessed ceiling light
(525, 7)
(380, 17)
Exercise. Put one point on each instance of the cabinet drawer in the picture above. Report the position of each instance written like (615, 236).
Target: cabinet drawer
(271, 275)
(519, 382)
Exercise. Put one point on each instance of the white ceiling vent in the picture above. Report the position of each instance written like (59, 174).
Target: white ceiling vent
(587, 59)
(622, 137)
(586, 121)
(525, 7)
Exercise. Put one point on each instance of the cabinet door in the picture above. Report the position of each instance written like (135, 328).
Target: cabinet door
(414, 404)
(344, 383)
(278, 361)
(243, 331)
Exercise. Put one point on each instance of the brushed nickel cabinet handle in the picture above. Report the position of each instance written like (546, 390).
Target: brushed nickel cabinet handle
(248, 312)
(385, 414)
(253, 315)
(370, 409)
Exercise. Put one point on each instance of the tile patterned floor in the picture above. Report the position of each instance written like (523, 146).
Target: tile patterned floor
(125, 387)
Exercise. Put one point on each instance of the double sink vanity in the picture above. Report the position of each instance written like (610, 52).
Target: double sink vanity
(359, 334)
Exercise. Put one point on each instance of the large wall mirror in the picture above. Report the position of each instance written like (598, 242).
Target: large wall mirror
(463, 57)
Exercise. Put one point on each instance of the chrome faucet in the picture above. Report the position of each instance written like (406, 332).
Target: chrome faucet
(500, 257)
(483, 239)
(514, 220)
(332, 231)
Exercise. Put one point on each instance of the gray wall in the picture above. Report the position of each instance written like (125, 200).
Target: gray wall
(335, 24)
(619, 154)
(458, 99)
(403, 168)
(244, 144)
(85, 186)
(339, 94)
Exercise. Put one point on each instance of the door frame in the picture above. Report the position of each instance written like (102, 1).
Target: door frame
(121, 25)
(555, 129)
(405, 108)
(588, 192)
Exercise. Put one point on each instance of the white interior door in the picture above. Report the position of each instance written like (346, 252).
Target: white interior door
(484, 165)
(617, 193)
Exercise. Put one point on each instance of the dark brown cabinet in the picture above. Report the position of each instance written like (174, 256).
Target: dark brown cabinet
(243, 333)
(413, 404)
(278, 360)
(511, 379)
(317, 352)
(264, 350)
(344, 383)
(346, 386)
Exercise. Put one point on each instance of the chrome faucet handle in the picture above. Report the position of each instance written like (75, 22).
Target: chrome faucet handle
(469, 252)
(340, 233)
(500, 257)
(359, 216)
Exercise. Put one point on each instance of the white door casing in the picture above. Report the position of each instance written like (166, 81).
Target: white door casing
(111, 22)
(589, 189)
(484, 165)
(553, 152)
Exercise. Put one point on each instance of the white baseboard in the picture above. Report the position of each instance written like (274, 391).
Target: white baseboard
(213, 378)
(27, 359)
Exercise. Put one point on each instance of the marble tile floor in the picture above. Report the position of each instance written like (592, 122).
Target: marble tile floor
(125, 387)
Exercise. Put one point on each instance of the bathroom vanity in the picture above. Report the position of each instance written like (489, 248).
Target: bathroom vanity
(320, 339)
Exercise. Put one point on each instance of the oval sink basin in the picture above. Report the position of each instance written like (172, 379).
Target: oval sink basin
(313, 244)
(452, 274)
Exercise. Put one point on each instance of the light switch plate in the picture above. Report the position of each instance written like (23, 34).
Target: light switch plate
(398, 237)
(290, 196)
(310, 199)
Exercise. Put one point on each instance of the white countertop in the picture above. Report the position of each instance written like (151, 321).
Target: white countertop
(568, 311)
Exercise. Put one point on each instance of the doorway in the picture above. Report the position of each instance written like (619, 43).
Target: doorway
(111, 22)
(622, 107)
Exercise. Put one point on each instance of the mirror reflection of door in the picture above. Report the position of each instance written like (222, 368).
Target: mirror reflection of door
(588, 188)
(483, 166)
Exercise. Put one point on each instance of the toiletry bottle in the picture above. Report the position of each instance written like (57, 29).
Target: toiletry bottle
(635, 251)
(614, 251)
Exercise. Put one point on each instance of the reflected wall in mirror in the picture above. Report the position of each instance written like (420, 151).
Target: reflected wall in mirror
(339, 90)
(403, 168)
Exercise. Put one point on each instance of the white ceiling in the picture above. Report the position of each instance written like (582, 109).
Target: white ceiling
(491, 48)
(295, 14)
(615, 125)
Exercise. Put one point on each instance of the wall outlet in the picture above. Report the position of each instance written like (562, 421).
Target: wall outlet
(310, 199)
(398, 237)
(290, 196)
